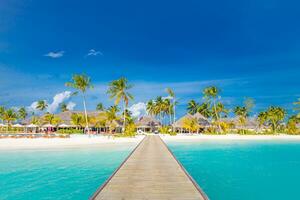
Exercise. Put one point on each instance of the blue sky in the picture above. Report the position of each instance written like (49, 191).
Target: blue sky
(247, 48)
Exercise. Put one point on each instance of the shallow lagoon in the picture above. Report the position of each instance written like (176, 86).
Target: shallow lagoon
(235, 170)
(230, 170)
(71, 173)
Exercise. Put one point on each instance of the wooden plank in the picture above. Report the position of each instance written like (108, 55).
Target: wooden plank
(150, 172)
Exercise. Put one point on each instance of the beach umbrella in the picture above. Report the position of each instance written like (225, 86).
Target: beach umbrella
(17, 126)
(64, 126)
(48, 126)
(32, 126)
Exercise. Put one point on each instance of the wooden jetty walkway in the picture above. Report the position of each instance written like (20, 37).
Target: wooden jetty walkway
(150, 172)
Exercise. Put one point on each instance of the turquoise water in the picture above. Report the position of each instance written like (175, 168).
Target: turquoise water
(243, 170)
(57, 174)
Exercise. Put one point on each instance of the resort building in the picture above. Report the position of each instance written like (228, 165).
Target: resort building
(181, 125)
(96, 119)
(147, 124)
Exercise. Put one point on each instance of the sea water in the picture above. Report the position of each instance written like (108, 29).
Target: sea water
(243, 170)
(74, 173)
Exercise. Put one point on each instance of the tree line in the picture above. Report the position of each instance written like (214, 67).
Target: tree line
(162, 108)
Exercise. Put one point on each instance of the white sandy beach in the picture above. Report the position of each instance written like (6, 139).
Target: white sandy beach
(82, 141)
(77, 141)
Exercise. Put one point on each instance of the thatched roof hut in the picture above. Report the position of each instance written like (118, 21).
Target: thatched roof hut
(251, 123)
(66, 116)
(203, 121)
(147, 121)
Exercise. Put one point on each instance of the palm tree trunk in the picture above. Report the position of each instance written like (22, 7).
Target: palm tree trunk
(124, 117)
(174, 111)
(217, 117)
(86, 116)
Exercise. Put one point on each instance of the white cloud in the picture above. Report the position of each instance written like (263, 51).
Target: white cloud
(93, 52)
(55, 54)
(71, 105)
(138, 109)
(32, 108)
(57, 100)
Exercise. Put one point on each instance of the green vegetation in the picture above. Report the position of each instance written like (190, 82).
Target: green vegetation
(63, 107)
(9, 116)
(167, 130)
(242, 112)
(100, 107)
(70, 131)
(22, 113)
(81, 83)
(118, 90)
(272, 117)
(212, 108)
(163, 108)
(41, 105)
(51, 119)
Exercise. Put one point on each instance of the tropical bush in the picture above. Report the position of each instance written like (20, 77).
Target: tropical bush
(291, 127)
(130, 130)
(167, 130)
(70, 131)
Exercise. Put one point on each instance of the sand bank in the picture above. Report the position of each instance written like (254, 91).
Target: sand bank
(74, 141)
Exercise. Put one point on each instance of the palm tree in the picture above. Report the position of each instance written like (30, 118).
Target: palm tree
(191, 124)
(292, 124)
(51, 119)
(35, 120)
(128, 117)
(22, 113)
(41, 105)
(100, 107)
(275, 116)
(173, 106)
(211, 94)
(159, 106)
(262, 118)
(192, 107)
(118, 89)
(150, 107)
(9, 116)
(203, 109)
(81, 83)
(111, 116)
(2, 110)
(241, 112)
(220, 109)
(77, 120)
(64, 107)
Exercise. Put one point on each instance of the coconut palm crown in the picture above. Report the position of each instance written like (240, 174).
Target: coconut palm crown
(81, 83)
(22, 113)
(41, 105)
(118, 90)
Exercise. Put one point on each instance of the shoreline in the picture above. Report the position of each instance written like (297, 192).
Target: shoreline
(73, 142)
(109, 141)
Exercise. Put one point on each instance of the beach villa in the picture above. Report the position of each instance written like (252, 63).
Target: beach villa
(147, 124)
(65, 122)
(180, 125)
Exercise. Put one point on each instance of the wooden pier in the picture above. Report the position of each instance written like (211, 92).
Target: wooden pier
(150, 172)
